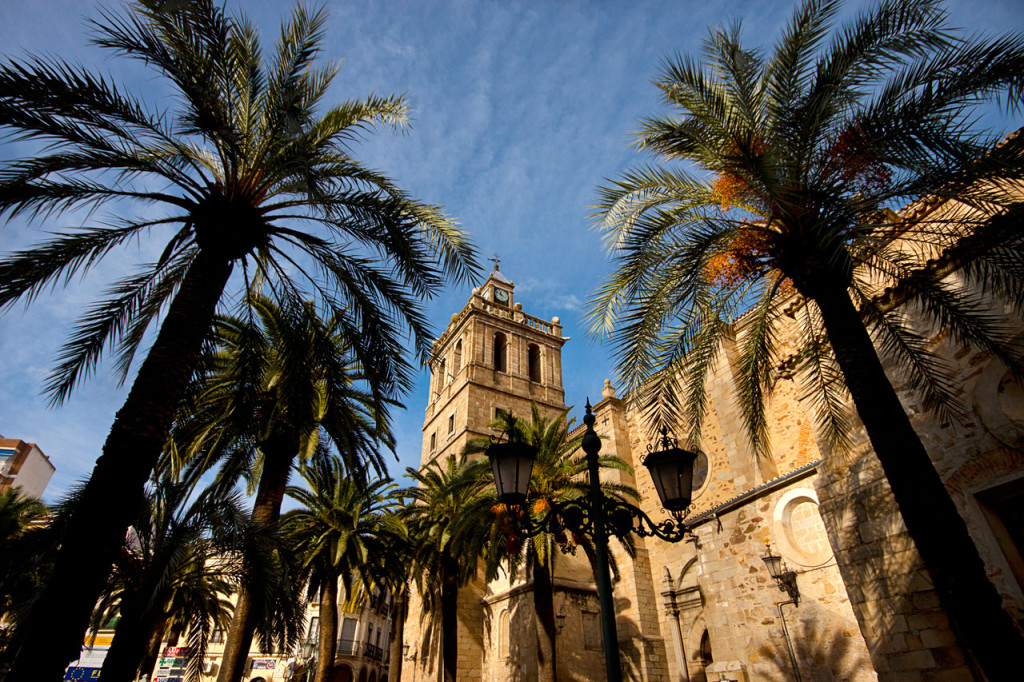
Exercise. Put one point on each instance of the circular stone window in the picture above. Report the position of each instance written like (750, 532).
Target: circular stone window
(799, 530)
(999, 401)
(701, 473)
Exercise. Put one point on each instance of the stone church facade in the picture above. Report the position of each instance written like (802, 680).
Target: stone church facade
(706, 609)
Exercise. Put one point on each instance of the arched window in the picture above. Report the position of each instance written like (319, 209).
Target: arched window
(500, 352)
(533, 361)
(443, 370)
(457, 365)
(704, 654)
(503, 628)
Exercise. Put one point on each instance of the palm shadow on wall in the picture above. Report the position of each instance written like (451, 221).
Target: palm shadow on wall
(824, 655)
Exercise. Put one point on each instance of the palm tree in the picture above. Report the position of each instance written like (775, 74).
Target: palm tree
(244, 169)
(448, 525)
(399, 612)
(17, 512)
(176, 570)
(20, 559)
(801, 153)
(343, 533)
(559, 475)
(278, 386)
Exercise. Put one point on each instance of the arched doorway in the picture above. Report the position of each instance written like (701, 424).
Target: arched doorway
(702, 658)
(362, 675)
(373, 676)
(342, 673)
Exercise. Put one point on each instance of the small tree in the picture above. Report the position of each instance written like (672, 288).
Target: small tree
(344, 534)
(22, 556)
(277, 387)
(448, 524)
(559, 475)
(175, 573)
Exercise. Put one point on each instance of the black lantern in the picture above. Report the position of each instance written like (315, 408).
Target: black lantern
(774, 564)
(784, 578)
(512, 463)
(671, 470)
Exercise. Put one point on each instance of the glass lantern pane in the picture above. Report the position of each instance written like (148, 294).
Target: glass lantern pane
(672, 473)
(774, 564)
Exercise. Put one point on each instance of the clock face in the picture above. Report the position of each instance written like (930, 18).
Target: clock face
(501, 296)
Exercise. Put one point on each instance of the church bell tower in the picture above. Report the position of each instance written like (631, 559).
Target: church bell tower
(493, 356)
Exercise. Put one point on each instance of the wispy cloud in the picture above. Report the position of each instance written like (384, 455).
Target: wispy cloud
(520, 109)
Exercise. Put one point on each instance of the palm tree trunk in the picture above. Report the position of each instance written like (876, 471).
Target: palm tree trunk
(278, 451)
(131, 643)
(397, 642)
(544, 615)
(153, 647)
(328, 629)
(114, 494)
(974, 607)
(450, 618)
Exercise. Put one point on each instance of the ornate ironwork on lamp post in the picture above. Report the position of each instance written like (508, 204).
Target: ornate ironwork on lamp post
(671, 469)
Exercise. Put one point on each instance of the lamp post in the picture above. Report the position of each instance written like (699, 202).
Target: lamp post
(786, 580)
(309, 651)
(672, 470)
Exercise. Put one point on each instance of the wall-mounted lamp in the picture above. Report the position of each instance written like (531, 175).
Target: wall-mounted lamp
(560, 618)
(784, 578)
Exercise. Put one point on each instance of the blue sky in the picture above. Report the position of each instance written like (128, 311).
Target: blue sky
(520, 110)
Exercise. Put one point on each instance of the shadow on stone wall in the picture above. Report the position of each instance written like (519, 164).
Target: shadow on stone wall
(522, 646)
(891, 592)
(822, 654)
(629, 640)
(430, 639)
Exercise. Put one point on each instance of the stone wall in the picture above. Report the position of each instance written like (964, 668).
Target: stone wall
(717, 609)
(978, 456)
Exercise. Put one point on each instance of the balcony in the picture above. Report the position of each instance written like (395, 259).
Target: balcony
(373, 652)
(348, 647)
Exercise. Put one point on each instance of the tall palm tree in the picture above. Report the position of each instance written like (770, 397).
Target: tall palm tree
(559, 475)
(797, 157)
(245, 169)
(343, 533)
(448, 522)
(176, 570)
(275, 388)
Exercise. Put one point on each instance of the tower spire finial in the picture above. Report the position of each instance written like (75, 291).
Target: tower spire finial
(496, 260)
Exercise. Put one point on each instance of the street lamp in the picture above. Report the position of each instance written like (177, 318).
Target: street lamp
(672, 470)
(309, 650)
(785, 579)
(512, 464)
